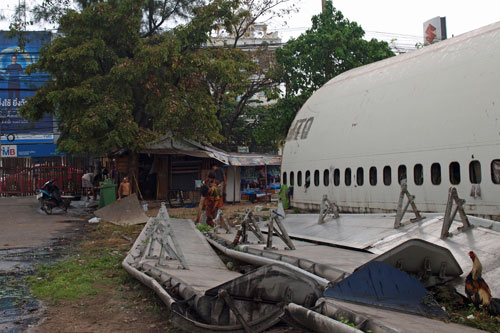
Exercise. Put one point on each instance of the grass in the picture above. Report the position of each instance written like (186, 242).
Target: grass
(76, 278)
(460, 314)
(459, 309)
(94, 268)
(203, 228)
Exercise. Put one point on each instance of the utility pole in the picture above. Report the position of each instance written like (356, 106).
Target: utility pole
(323, 5)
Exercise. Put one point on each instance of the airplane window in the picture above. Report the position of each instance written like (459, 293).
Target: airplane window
(336, 177)
(292, 180)
(360, 177)
(347, 177)
(401, 173)
(326, 177)
(284, 178)
(475, 172)
(495, 171)
(454, 173)
(308, 178)
(387, 175)
(373, 176)
(299, 178)
(436, 173)
(316, 178)
(418, 174)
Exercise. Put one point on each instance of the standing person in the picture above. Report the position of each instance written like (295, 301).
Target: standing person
(204, 192)
(220, 176)
(124, 189)
(87, 184)
(212, 199)
(213, 202)
(97, 183)
(14, 84)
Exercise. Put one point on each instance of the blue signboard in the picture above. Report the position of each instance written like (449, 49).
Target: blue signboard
(37, 150)
(34, 150)
(16, 86)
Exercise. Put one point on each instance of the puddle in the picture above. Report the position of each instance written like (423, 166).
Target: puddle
(18, 308)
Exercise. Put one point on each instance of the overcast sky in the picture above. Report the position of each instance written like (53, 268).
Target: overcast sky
(404, 17)
(395, 18)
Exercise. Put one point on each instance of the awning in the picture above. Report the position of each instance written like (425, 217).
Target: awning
(239, 160)
(197, 153)
(172, 146)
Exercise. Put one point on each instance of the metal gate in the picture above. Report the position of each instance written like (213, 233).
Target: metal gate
(22, 176)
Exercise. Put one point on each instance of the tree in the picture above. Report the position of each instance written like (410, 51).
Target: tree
(230, 76)
(112, 89)
(155, 13)
(259, 77)
(330, 47)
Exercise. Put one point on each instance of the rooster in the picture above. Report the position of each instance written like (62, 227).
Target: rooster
(477, 289)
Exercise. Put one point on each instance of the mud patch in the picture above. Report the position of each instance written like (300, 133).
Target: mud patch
(18, 308)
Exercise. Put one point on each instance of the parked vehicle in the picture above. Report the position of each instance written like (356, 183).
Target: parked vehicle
(50, 197)
(29, 179)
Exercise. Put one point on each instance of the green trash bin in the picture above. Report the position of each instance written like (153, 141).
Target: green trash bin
(108, 193)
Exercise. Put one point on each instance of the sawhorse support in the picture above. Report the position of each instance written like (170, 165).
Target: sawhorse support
(248, 224)
(402, 211)
(327, 208)
(162, 235)
(449, 216)
(219, 221)
(279, 230)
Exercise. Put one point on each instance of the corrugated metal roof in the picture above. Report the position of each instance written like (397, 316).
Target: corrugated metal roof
(171, 146)
(239, 160)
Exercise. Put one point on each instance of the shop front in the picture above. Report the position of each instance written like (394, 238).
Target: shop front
(253, 177)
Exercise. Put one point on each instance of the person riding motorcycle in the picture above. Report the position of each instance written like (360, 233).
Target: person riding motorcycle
(53, 190)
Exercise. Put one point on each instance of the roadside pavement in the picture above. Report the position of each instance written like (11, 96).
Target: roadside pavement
(23, 224)
(29, 237)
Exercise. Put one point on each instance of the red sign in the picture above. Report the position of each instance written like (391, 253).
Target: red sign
(429, 33)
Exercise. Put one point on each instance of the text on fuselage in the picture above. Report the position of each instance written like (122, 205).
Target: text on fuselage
(300, 129)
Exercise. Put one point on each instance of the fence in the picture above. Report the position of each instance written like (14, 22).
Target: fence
(22, 176)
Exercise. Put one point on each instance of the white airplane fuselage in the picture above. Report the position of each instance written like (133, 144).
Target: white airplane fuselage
(431, 116)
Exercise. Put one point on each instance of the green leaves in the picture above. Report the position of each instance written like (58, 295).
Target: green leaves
(330, 47)
(113, 90)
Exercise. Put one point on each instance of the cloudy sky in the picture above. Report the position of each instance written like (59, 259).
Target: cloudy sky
(383, 19)
(399, 19)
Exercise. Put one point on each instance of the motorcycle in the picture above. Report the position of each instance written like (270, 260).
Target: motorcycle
(50, 197)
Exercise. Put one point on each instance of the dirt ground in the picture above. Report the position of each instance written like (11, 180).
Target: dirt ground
(230, 210)
(131, 310)
(131, 307)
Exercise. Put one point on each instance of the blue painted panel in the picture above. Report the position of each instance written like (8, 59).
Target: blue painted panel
(16, 87)
(40, 150)
(382, 285)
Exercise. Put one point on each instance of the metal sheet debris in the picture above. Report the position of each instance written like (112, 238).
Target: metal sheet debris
(202, 294)
(376, 233)
(379, 284)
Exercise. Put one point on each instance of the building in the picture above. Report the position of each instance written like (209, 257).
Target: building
(172, 168)
(20, 138)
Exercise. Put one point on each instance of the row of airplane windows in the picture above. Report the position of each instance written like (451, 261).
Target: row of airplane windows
(418, 175)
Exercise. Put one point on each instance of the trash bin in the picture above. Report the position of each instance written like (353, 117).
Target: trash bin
(108, 193)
